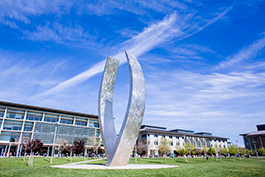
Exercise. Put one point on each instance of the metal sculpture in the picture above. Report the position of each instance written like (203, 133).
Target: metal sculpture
(118, 149)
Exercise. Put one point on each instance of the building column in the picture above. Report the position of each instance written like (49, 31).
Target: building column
(85, 151)
(5, 151)
(250, 143)
(261, 141)
(18, 148)
(8, 149)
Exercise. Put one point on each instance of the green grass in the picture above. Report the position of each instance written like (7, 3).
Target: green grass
(195, 167)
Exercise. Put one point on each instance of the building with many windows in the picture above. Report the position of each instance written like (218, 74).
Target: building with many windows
(177, 137)
(21, 122)
(255, 140)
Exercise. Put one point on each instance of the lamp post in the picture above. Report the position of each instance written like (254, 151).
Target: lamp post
(238, 149)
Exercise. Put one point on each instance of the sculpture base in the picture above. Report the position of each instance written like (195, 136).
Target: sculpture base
(103, 167)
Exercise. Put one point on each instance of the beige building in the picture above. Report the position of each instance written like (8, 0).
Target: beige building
(177, 137)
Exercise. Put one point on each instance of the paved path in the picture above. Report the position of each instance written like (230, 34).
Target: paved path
(83, 165)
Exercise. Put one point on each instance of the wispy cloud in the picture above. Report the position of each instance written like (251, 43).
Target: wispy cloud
(22, 10)
(148, 39)
(172, 26)
(245, 54)
(57, 33)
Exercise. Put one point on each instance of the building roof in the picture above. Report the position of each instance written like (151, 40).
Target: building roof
(261, 127)
(168, 132)
(182, 130)
(151, 126)
(255, 133)
(9, 104)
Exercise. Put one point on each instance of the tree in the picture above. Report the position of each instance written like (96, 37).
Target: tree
(163, 147)
(242, 151)
(62, 143)
(232, 149)
(223, 151)
(204, 149)
(189, 148)
(180, 150)
(33, 146)
(141, 148)
(249, 152)
(94, 144)
(79, 146)
(211, 151)
(70, 149)
(261, 151)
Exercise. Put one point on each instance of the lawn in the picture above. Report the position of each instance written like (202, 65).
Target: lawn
(195, 167)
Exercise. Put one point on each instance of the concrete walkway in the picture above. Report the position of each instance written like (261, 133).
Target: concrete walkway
(83, 165)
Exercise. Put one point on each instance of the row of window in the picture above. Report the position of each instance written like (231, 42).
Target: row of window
(144, 135)
(34, 116)
(81, 122)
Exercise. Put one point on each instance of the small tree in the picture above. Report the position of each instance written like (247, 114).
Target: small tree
(33, 146)
(242, 151)
(189, 148)
(211, 151)
(249, 152)
(79, 146)
(223, 151)
(261, 151)
(204, 150)
(61, 142)
(164, 148)
(70, 149)
(141, 148)
(180, 150)
(232, 149)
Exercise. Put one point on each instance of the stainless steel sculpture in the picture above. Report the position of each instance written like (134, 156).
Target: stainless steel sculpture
(118, 149)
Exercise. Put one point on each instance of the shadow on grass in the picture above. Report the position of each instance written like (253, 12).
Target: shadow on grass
(181, 161)
(46, 160)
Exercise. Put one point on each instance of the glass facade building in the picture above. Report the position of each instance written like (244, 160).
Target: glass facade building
(256, 139)
(19, 123)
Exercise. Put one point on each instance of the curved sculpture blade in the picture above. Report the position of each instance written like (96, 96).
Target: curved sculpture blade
(122, 149)
(105, 111)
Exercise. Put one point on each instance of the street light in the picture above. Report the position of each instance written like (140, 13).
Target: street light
(238, 149)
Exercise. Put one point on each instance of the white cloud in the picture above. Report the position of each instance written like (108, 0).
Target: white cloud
(57, 33)
(172, 26)
(148, 39)
(244, 54)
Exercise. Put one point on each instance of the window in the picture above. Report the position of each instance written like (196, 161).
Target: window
(10, 136)
(155, 136)
(34, 116)
(66, 121)
(12, 115)
(144, 135)
(80, 123)
(12, 125)
(2, 112)
(25, 137)
(97, 132)
(50, 119)
(93, 123)
(163, 136)
(155, 142)
(171, 143)
(177, 137)
(170, 137)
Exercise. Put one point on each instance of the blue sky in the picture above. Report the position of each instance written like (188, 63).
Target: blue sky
(204, 62)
